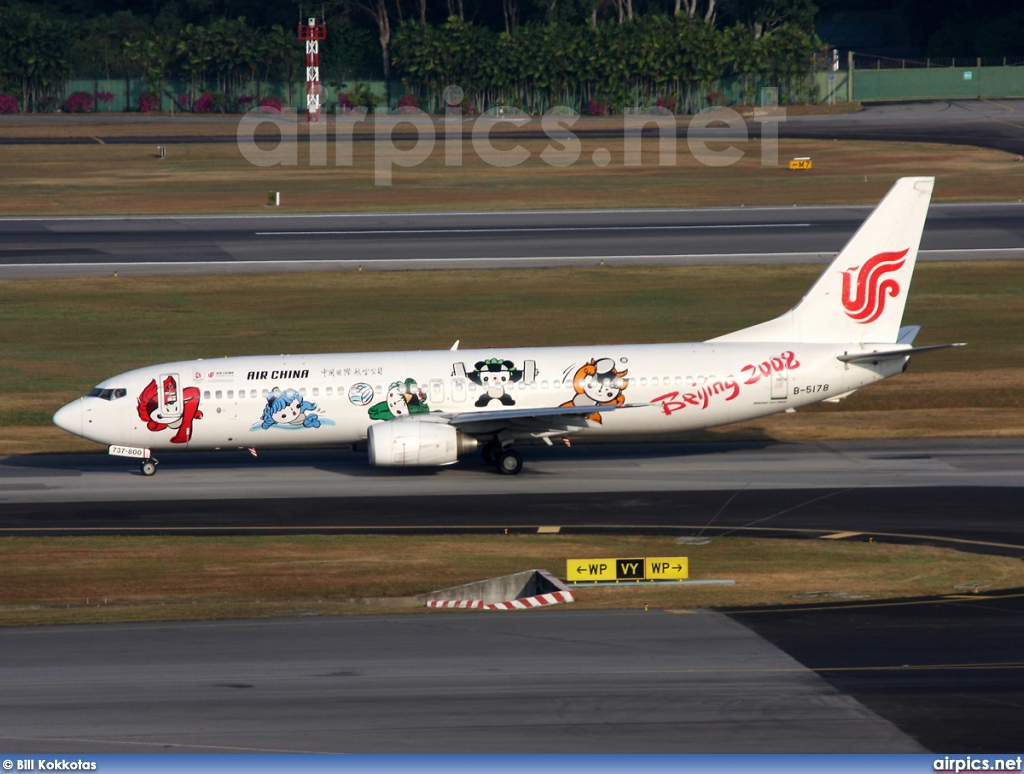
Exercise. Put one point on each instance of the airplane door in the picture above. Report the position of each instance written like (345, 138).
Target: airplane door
(170, 397)
(437, 391)
(529, 371)
(780, 384)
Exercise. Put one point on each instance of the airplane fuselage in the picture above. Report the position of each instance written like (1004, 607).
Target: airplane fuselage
(333, 399)
(428, 408)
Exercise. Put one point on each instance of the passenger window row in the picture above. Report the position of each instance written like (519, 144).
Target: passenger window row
(219, 394)
(643, 381)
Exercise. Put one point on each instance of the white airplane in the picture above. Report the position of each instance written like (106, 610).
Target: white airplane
(428, 408)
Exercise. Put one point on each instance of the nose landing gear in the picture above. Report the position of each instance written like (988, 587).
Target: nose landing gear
(148, 466)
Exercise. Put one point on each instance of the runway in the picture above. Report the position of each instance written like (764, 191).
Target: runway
(964, 494)
(943, 674)
(71, 247)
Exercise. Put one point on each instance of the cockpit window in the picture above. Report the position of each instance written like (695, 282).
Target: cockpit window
(107, 393)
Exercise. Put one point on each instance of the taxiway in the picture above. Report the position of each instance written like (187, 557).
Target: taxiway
(133, 246)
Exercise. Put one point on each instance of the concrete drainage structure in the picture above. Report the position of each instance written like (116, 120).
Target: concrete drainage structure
(531, 588)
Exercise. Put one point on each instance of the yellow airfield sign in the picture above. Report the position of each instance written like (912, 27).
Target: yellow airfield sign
(667, 568)
(591, 569)
(618, 570)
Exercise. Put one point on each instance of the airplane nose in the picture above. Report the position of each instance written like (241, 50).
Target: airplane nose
(70, 417)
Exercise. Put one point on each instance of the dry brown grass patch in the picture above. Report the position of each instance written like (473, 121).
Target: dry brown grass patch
(204, 178)
(156, 578)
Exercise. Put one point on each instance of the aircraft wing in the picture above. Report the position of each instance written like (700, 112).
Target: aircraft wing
(885, 354)
(553, 420)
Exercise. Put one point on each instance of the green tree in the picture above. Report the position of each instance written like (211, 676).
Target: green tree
(34, 56)
(150, 59)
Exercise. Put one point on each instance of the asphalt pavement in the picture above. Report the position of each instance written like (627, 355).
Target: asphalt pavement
(986, 123)
(100, 246)
(545, 681)
(941, 674)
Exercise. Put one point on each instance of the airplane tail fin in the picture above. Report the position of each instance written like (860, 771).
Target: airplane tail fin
(861, 295)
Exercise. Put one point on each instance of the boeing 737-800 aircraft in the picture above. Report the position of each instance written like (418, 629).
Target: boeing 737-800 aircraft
(427, 408)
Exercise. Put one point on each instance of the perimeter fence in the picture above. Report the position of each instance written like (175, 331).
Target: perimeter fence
(887, 78)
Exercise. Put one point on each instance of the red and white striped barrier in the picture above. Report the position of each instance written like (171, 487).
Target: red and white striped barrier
(525, 603)
(464, 603)
(540, 600)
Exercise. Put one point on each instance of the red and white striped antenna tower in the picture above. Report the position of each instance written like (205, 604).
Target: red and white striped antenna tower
(312, 33)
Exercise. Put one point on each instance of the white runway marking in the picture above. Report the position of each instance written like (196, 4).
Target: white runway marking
(529, 229)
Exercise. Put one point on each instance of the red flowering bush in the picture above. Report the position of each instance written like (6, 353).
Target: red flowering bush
(360, 95)
(148, 102)
(271, 104)
(185, 101)
(104, 96)
(597, 108)
(204, 104)
(8, 104)
(408, 103)
(79, 102)
(345, 103)
(668, 103)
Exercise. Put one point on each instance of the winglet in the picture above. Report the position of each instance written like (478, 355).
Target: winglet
(907, 334)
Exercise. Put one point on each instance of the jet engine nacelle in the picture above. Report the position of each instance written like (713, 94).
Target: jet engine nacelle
(409, 442)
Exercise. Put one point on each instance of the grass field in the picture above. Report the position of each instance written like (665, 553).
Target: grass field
(79, 580)
(203, 178)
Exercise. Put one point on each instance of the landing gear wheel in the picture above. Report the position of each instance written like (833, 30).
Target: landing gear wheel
(148, 467)
(510, 463)
(490, 452)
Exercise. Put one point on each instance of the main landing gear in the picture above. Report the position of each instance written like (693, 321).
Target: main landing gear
(505, 460)
(148, 466)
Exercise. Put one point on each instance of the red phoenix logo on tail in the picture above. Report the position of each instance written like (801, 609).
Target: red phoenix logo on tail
(868, 303)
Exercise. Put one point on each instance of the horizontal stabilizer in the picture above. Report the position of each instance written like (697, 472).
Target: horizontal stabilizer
(886, 354)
